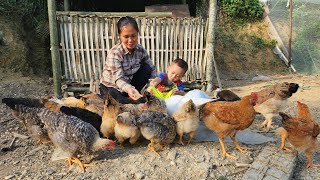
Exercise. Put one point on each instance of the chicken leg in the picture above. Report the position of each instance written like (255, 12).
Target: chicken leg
(71, 160)
(180, 139)
(151, 147)
(191, 134)
(284, 134)
(235, 142)
(309, 153)
(224, 153)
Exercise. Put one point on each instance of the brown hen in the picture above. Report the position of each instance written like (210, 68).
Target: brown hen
(227, 118)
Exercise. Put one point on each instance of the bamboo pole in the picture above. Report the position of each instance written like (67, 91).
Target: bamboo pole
(76, 41)
(54, 43)
(96, 39)
(167, 25)
(157, 41)
(290, 38)
(210, 46)
(93, 59)
(73, 60)
(63, 49)
(83, 60)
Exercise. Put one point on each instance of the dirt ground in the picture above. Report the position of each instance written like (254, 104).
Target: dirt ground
(26, 160)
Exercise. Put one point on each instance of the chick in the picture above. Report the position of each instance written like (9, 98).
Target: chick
(187, 118)
(125, 129)
(157, 127)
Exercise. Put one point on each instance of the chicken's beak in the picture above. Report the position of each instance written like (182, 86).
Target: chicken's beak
(111, 145)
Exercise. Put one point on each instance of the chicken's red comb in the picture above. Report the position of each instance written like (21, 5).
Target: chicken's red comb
(254, 95)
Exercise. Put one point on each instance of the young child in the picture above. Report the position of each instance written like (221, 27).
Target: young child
(168, 84)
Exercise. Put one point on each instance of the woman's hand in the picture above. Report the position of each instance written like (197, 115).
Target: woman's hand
(133, 93)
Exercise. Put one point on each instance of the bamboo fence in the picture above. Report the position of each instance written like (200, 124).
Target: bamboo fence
(85, 40)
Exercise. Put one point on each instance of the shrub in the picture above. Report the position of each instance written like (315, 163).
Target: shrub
(247, 10)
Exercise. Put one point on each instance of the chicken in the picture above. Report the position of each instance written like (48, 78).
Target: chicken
(227, 95)
(93, 103)
(301, 133)
(157, 127)
(87, 116)
(70, 135)
(227, 118)
(273, 100)
(187, 119)
(30, 120)
(125, 129)
(110, 113)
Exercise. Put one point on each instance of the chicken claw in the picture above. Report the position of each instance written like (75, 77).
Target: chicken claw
(71, 160)
(181, 141)
(224, 152)
(310, 164)
(151, 147)
(191, 134)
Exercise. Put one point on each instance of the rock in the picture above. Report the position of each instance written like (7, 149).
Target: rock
(261, 78)
(139, 175)
(50, 172)
(9, 177)
(172, 155)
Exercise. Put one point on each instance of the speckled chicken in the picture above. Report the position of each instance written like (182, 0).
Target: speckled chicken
(70, 135)
(29, 119)
(157, 127)
(187, 118)
(301, 131)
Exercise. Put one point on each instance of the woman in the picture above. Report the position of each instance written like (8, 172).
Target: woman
(128, 66)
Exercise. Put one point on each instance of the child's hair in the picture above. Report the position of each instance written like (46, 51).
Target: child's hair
(125, 21)
(181, 63)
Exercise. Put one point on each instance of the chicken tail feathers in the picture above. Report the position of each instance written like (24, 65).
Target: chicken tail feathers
(28, 102)
(284, 116)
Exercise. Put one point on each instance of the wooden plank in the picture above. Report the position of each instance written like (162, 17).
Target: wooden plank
(162, 44)
(199, 62)
(143, 25)
(73, 59)
(65, 64)
(83, 60)
(167, 34)
(106, 31)
(185, 43)
(76, 41)
(148, 39)
(66, 30)
(114, 14)
(203, 68)
(86, 24)
(102, 23)
(114, 32)
(152, 43)
(176, 36)
(93, 59)
(98, 62)
(192, 41)
(189, 49)
(157, 41)
(172, 32)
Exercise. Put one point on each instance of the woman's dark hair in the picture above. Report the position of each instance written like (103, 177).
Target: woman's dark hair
(125, 21)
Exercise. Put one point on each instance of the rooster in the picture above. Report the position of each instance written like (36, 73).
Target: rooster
(273, 100)
(187, 119)
(227, 118)
(301, 131)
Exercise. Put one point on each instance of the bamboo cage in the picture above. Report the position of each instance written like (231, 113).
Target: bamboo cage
(85, 40)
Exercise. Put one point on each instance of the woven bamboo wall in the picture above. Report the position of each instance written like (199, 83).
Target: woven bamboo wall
(85, 40)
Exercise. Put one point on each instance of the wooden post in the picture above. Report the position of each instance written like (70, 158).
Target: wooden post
(66, 5)
(290, 38)
(55, 56)
(210, 47)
